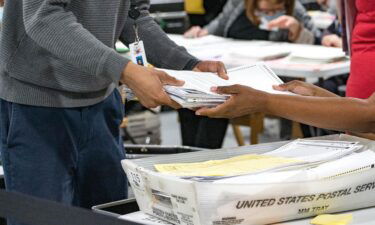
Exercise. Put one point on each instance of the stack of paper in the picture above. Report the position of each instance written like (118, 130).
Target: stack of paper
(316, 151)
(196, 91)
(244, 164)
(143, 218)
(191, 43)
(259, 53)
(296, 161)
(317, 55)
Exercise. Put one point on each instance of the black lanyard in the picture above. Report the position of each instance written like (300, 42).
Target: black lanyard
(134, 13)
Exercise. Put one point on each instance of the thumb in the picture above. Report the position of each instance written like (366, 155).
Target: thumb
(169, 80)
(280, 87)
(290, 86)
(274, 23)
(278, 22)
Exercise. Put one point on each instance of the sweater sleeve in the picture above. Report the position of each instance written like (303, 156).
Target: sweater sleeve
(52, 26)
(217, 26)
(160, 50)
(306, 21)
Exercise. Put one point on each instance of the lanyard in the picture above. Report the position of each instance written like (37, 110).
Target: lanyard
(134, 13)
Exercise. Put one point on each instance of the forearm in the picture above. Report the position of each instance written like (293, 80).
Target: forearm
(160, 50)
(343, 114)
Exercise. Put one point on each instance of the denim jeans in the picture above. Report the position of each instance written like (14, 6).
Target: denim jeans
(69, 155)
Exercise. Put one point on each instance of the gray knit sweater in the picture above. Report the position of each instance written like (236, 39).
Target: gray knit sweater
(59, 53)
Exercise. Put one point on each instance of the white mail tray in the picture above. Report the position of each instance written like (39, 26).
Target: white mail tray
(188, 202)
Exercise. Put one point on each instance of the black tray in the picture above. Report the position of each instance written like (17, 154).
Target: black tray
(117, 208)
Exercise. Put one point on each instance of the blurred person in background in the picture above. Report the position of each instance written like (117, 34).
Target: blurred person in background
(204, 12)
(273, 20)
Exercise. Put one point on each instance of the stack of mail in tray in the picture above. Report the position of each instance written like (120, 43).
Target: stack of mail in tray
(196, 91)
(298, 157)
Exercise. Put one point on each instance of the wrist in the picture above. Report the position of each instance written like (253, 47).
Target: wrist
(295, 32)
(127, 73)
(263, 103)
(320, 92)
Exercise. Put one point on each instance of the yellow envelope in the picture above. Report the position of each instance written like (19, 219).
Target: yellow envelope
(328, 219)
(194, 7)
(228, 167)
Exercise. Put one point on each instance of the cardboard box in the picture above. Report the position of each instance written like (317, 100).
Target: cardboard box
(187, 202)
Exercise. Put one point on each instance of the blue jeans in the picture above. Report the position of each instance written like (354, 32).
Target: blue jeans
(69, 155)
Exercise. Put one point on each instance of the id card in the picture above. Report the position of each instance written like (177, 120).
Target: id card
(138, 53)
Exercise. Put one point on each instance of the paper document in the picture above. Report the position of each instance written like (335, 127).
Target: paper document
(354, 163)
(317, 55)
(259, 52)
(347, 165)
(192, 43)
(329, 219)
(323, 160)
(316, 151)
(143, 218)
(196, 90)
(239, 165)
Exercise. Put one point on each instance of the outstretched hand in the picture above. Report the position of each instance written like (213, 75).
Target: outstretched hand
(147, 84)
(243, 100)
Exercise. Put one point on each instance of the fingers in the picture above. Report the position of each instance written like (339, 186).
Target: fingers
(174, 104)
(159, 98)
(216, 112)
(290, 86)
(222, 71)
(214, 67)
(280, 87)
(230, 90)
(193, 32)
(169, 80)
(278, 22)
(202, 32)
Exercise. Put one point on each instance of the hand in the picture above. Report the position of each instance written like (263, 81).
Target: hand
(303, 88)
(195, 32)
(323, 2)
(332, 40)
(213, 67)
(243, 101)
(147, 84)
(288, 23)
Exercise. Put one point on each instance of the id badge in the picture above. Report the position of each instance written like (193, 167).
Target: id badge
(138, 54)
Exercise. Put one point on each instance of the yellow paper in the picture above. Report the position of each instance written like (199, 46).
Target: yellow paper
(328, 219)
(194, 7)
(228, 167)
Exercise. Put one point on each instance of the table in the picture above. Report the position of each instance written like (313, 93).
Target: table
(218, 48)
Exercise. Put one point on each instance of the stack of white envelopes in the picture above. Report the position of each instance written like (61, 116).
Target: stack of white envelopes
(196, 92)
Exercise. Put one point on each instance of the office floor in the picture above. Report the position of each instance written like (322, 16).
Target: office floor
(170, 131)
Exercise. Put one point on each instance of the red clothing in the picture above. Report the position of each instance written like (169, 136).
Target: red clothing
(361, 83)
